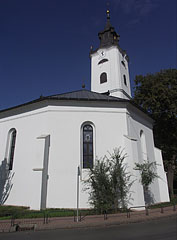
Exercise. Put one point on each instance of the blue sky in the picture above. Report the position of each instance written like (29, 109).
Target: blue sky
(44, 44)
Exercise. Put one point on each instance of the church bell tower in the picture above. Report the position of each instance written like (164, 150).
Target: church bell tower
(109, 65)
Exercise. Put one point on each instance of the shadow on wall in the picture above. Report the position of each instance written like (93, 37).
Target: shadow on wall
(5, 181)
(148, 197)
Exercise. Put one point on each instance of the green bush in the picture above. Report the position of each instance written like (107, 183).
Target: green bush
(109, 183)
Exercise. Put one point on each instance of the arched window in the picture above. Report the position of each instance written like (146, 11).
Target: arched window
(125, 80)
(87, 146)
(103, 77)
(11, 147)
(143, 145)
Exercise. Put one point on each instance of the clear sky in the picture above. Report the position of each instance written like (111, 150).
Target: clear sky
(44, 44)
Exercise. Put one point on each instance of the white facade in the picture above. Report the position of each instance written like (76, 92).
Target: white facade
(47, 146)
(114, 125)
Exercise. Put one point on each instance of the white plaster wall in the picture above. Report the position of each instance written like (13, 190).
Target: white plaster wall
(124, 71)
(136, 190)
(113, 127)
(115, 71)
(162, 180)
(64, 125)
(65, 139)
(28, 154)
(111, 68)
(136, 123)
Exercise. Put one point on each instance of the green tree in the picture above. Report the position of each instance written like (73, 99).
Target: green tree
(148, 175)
(109, 182)
(157, 94)
(120, 179)
(100, 186)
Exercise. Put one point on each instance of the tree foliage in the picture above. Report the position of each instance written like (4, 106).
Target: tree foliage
(157, 94)
(147, 171)
(148, 175)
(109, 182)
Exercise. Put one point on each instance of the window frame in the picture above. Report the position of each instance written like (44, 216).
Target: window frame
(10, 147)
(83, 166)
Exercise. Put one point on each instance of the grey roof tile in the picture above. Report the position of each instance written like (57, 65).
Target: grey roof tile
(85, 95)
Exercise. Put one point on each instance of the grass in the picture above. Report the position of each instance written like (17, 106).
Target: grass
(9, 212)
(165, 204)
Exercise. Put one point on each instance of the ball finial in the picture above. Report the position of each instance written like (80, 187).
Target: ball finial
(108, 14)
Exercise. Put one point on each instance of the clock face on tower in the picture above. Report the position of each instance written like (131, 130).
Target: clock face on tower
(102, 53)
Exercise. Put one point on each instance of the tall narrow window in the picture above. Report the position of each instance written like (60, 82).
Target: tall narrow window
(103, 77)
(87, 146)
(11, 147)
(143, 145)
(125, 80)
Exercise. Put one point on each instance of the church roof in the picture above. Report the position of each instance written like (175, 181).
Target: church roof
(85, 95)
(80, 95)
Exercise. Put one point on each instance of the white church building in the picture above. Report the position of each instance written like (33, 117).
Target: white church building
(43, 142)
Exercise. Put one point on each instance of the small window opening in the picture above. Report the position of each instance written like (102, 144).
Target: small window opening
(103, 77)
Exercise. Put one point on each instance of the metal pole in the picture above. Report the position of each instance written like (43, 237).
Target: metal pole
(78, 174)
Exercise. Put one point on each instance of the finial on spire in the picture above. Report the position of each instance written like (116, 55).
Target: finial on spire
(108, 14)
(107, 11)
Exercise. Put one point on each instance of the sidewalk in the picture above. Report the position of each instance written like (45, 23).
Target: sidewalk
(88, 221)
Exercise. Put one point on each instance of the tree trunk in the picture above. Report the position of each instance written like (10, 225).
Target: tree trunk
(170, 178)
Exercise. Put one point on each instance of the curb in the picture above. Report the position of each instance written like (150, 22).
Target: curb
(92, 221)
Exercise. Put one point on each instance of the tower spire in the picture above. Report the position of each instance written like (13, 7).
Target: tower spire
(108, 23)
(108, 36)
